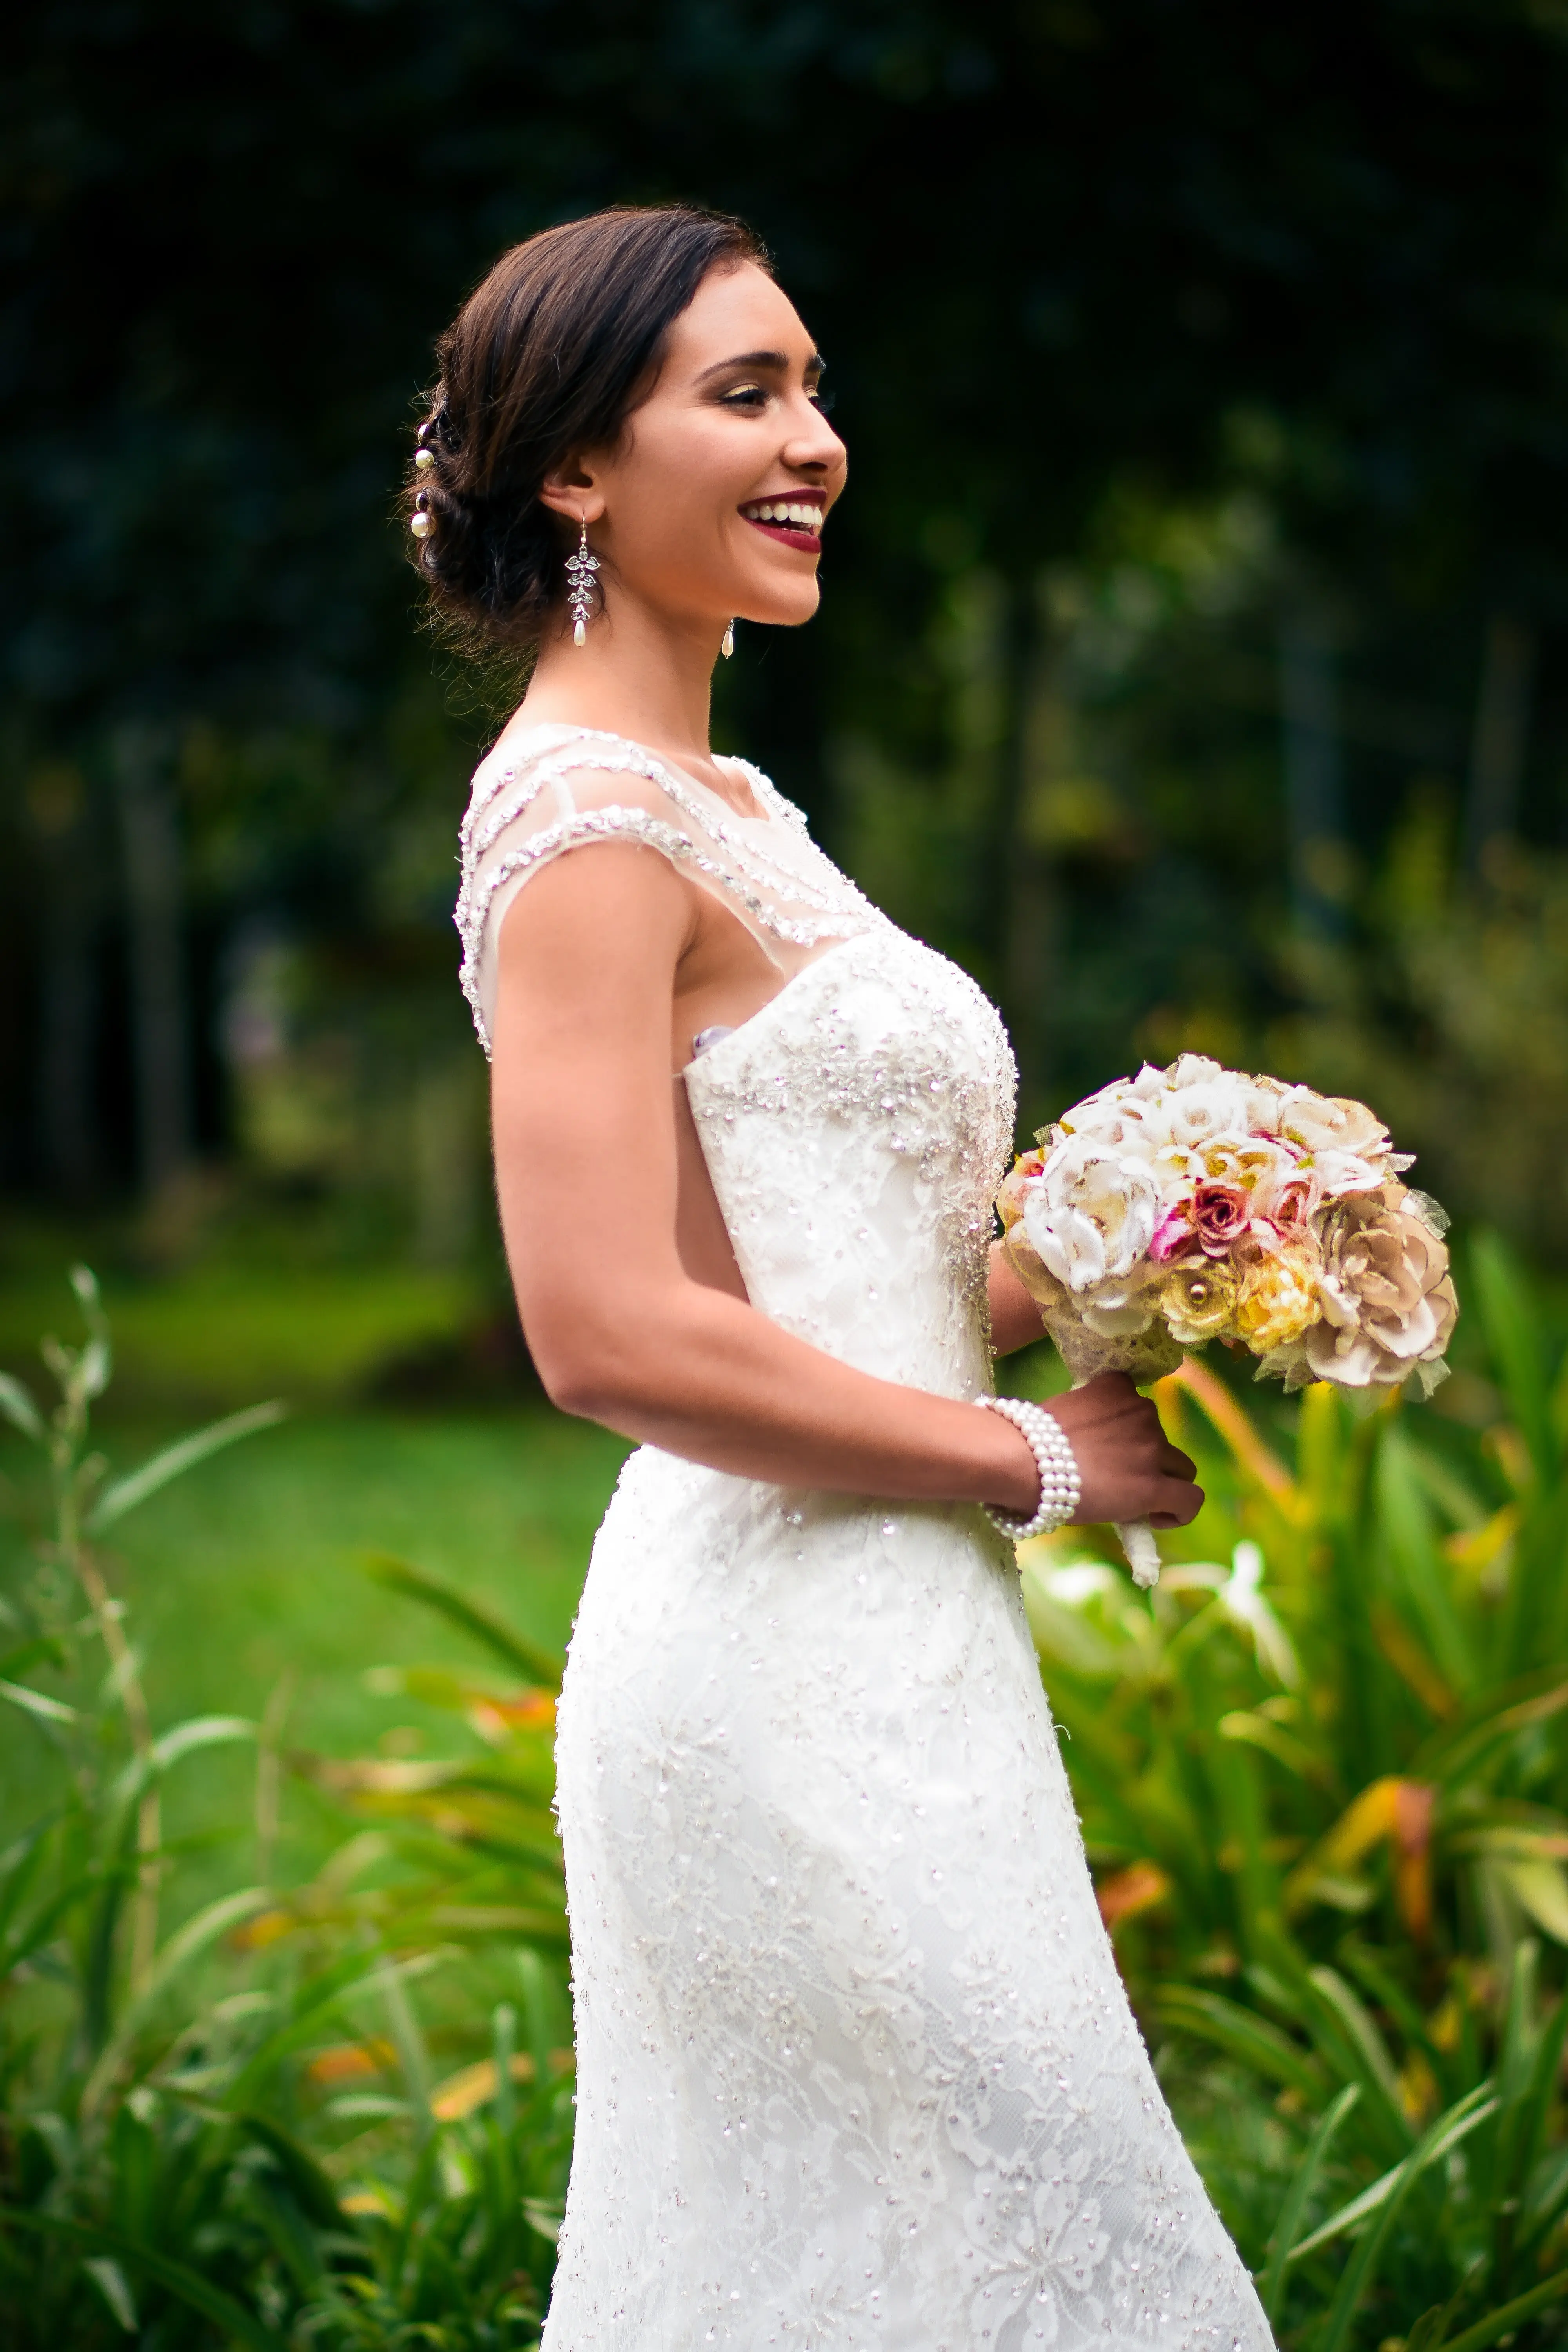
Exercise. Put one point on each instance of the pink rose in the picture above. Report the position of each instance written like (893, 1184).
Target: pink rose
(1221, 1214)
(1288, 1201)
(1173, 1234)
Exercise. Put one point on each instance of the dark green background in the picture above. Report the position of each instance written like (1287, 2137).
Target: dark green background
(1188, 660)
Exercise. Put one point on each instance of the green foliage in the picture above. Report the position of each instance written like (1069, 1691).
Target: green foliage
(200, 2178)
(1322, 1777)
(1472, 970)
(1324, 1785)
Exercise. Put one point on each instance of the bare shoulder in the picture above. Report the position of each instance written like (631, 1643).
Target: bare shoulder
(623, 899)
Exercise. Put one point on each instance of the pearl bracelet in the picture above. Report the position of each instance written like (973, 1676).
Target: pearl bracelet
(1052, 1449)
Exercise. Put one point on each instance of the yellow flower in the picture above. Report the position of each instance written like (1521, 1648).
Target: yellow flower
(1196, 1302)
(1277, 1300)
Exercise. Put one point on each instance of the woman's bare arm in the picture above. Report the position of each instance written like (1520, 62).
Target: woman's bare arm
(590, 958)
(1014, 1318)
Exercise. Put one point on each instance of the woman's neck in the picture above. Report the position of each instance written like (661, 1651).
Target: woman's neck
(642, 675)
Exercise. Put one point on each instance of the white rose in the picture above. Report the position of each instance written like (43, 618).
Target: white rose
(1196, 1115)
(1113, 1117)
(1193, 1070)
(1343, 1172)
(1091, 1215)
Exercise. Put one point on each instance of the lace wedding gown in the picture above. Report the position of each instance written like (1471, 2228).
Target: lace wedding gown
(855, 2064)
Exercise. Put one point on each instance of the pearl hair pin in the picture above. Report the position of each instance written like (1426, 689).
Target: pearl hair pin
(1060, 1484)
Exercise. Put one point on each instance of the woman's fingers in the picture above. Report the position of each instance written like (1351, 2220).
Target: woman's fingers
(1178, 1509)
(1128, 1468)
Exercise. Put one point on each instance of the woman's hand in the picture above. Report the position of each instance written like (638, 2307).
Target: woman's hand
(1129, 1468)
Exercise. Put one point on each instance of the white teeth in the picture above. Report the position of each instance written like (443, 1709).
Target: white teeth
(802, 518)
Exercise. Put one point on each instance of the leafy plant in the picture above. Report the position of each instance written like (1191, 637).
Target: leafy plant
(1322, 1783)
(211, 2179)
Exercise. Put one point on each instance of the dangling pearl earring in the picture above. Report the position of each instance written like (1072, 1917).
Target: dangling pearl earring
(580, 571)
(727, 645)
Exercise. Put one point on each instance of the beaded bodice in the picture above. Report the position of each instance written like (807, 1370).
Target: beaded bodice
(855, 1130)
(857, 1127)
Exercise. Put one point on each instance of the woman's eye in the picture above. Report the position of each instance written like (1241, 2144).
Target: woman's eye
(746, 395)
(822, 401)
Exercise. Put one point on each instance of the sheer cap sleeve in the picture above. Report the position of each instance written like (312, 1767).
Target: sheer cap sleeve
(558, 789)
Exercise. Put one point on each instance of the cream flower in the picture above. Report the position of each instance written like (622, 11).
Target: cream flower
(1197, 1301)
(1116, 1310)
(1117, 1116)
(1024, 1171)
(1277, 1300)
(1091, 1214)
(1325, 1123)
(1341, 1174)
(1388, 1297)
(1041, 1284)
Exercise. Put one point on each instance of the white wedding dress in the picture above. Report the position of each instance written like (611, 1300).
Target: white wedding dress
(854, 2066)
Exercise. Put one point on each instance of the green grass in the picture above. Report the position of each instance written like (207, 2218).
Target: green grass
(217, 1336)
(246, 1571)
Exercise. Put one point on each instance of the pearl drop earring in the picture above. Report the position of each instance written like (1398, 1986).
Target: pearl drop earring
(727, 645)
(580, 571)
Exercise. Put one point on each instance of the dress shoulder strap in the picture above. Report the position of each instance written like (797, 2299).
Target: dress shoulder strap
(560, 789)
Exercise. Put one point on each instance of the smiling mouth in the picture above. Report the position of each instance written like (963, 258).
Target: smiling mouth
(797, 522)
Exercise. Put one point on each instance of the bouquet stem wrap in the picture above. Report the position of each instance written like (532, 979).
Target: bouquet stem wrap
(1148, 1357)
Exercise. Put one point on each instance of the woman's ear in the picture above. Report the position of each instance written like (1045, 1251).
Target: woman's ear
(572, 491)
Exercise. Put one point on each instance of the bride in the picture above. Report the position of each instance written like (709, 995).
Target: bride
(856, 2068)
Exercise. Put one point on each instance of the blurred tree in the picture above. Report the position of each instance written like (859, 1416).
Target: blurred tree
(1061, 254)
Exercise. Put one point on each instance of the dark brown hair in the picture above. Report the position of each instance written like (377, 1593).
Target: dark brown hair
(548, 356)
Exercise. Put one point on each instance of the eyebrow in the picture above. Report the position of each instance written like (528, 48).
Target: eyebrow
(778, 361)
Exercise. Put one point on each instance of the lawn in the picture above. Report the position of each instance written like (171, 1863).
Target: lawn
(247, 1574)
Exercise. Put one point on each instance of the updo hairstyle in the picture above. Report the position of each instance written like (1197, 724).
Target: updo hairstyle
(548, 356)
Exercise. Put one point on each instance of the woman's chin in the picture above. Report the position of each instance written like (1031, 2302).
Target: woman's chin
(775, 611)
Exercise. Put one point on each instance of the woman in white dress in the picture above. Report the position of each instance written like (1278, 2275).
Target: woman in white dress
(854, 2066)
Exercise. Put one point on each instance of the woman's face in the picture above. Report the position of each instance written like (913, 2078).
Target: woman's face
(711, 505)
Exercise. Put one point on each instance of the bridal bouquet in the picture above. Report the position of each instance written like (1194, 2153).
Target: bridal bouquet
(1196, 1203)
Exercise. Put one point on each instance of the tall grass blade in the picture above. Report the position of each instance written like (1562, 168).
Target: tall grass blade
(17, 1405)
(1361, 2269)
(1410, 1542)
(309, 2185)
(1466, 2116)
(1513, 1333)
(126, 1493)
(402, 1575)
(188, 2284)
(1511, 2315)
(412, 2055)
(1243, 2035)
(1271, 2286)
(1345, 2032)
(37, 1704)
(198, 1731)
(316, 1994)
(187, 1943)
(115, 2288)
